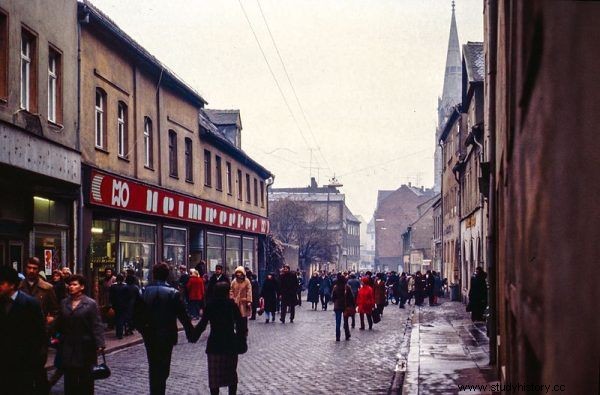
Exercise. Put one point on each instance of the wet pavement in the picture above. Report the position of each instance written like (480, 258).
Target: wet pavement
(446, 350)
(299, 358)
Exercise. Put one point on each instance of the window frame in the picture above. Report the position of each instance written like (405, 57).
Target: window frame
(27, 84)
(248, 192)
(4, 55)
(172, 144)
(207, 168)
(189, 159)
(148, 143)
(54, 65)
(100, 119)
(240, 187)
(262, 194)
(229, 176)
(122, 130)
(255, 192)
(219, 173)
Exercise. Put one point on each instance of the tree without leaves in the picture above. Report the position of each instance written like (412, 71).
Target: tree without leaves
(293, 222)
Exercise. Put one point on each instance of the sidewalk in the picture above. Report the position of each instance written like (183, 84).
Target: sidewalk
(446, 350)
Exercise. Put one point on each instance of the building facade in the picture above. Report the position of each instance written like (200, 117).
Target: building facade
(162, 183)
(40, 166)
(437, 241)
(473, 206)
(541, 115)
(416, 240)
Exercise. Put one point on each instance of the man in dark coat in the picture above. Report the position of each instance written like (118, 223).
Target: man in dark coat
(119, 299)
(478, 294)
(22, 338)
(156, 318)
(325, 290)
(217, 277)
(255, 293)
(288, 286)
(403, 287)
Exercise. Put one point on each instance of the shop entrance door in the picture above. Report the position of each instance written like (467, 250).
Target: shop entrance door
(11, 253)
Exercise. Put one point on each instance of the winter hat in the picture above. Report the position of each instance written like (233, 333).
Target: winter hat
(240, 269)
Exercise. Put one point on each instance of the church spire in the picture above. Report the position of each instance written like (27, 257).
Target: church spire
(451, 94)
(453, 75)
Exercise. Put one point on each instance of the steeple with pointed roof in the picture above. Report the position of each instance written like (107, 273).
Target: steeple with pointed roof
(451, 95)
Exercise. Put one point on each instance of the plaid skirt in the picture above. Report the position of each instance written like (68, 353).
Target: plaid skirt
(222, 370)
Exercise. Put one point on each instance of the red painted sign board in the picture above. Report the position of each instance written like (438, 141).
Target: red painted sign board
(123, 194)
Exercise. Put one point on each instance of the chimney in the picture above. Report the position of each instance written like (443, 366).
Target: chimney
(409, 184)
(313, 183)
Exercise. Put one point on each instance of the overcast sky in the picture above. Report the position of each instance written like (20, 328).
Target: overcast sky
(367, 75)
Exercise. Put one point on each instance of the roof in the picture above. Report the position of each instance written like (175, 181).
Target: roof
(205, 122)
(349, 216)
(168, 77)
(450, 122)
(224, 117)
(474, 60)
(382, 194)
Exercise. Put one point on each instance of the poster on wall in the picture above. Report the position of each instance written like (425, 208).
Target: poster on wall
(213, 264)
(48, 261)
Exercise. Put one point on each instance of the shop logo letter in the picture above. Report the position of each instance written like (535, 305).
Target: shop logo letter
(120, 194)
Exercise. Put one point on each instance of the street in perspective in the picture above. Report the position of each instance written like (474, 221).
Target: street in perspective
(299, 197)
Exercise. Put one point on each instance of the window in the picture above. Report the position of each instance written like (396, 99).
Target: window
(232, 252)
(255, 192)
(214, 250)
(3, 56)
(207, 168)
(228, 169)
(28, 71)
(262, 194)
(189, 169)
(239, 184)
(148, 146)
(247, 188)
(54, 86)
(173, 153)
(219, 173)
(122, 130)
(100, 118)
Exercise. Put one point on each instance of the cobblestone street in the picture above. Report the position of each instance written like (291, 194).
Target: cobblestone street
(298, 358)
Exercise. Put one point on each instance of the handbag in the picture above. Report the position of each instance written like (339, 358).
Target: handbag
(241, 344)
(261, 306)
(376, 316)
(101, 371)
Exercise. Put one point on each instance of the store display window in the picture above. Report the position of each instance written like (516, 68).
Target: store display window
(248, 253)
(214, 250)
(232, 253)
(50, 232)
(137, 249)
(174, 251)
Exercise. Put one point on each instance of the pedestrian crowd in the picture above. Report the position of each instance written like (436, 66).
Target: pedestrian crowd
(36, 314)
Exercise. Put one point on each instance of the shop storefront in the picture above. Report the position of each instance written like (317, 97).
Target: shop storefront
(132, 226)
(36, 219)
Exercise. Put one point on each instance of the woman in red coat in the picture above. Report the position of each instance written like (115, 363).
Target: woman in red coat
(195, 289)
(365, 301)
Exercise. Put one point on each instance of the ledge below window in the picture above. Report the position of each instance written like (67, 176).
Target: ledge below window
(100, 149)
(174, 176)
(123, 158)
(56, 126)
(148, 167)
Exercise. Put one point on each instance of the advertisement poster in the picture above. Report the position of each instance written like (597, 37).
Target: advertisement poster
(48, 261)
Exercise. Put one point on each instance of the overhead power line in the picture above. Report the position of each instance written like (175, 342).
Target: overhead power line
(292, 85)
(273, 75)
(384, 163)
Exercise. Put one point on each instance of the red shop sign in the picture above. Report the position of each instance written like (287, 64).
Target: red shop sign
(115, 192)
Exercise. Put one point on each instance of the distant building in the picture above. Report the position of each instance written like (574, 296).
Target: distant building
(395, 211)
(416, 240)
(367, 246)
(437, 241)
(328, 203)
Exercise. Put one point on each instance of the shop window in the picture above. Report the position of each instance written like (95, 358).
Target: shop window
(50, 246)
(214, 250)
(136, 249)
(248, 253)
(232, 253)
(102, 250)
(174, 254)
(47, 211)
(197, 249)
